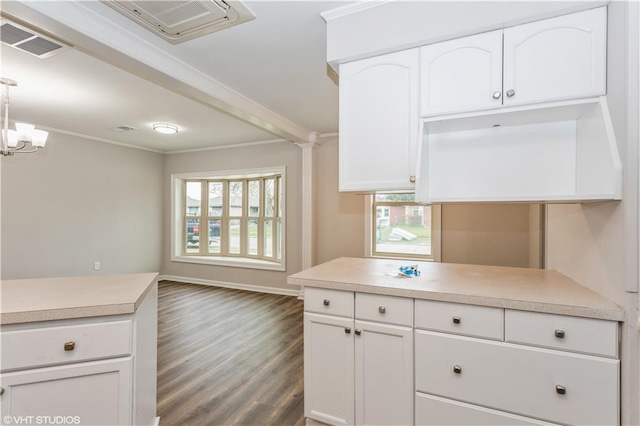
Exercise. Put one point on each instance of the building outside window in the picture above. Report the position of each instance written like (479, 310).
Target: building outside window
(402, 228)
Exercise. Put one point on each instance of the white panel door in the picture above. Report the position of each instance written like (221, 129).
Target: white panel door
(553, 59)
(384, 374)
(461, 75)
(379, 122)
(91, 393)
(328, 369)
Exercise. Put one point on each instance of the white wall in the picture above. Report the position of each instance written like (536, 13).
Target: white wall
(77, 202)
(596, 244)
(241, 158)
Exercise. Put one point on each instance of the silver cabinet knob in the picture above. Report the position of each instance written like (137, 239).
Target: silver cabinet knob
(496, 95)
(559, 334)
(561, 389)
(511, 93)
(347, 330)
(382, 309)
(457, 369)
(69, 346)
(358, 332)
(326, 302)
(1, 391)
(456, 320)
(412, 179)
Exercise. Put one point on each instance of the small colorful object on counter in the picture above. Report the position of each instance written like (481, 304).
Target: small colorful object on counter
(409, 271)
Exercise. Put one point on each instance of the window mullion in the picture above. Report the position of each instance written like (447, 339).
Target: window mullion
(243, 218)
(261, 220)
(224, 236)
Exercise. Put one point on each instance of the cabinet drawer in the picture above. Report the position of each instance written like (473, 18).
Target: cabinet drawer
(386, 309)
(36, 347)
(330, 302)
(456, 318)
(551, 385)
(587, 335)
(433, 411)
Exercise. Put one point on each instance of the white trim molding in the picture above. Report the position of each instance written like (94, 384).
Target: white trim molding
(236, 286)
(348, 9)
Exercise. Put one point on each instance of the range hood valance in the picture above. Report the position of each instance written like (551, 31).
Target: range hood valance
(555, 152)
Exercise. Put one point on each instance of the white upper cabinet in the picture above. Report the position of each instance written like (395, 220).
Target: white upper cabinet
(556, 59)
(379, 122)
(549, 60)
(461, 75)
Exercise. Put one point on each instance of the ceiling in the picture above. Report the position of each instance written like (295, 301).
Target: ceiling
(263, 80)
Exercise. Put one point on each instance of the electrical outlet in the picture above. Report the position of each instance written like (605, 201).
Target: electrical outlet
(96, 266)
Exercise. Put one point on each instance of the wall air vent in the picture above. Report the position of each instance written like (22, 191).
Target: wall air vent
(29, 41)
(181, 20)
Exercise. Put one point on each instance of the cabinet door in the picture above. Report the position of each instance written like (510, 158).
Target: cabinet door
(553, 59)
(328, 369)
(384, 374)
(461, 75)
(91, 393)
(379, 122)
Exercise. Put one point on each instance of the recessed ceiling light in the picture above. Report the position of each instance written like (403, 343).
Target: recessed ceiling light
(166, 128)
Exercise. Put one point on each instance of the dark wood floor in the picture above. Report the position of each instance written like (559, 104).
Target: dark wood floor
(228, 357)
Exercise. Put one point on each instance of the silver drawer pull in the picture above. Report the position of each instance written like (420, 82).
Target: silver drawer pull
(382, 309)
(412, 179)
(358, 332)
(69, 346)
(559, 334)
(347, 330)
(1, 391)
(457, 369)
(496, 95)
(326, 302)
(561, 389)
(511, 93)
(456, 320)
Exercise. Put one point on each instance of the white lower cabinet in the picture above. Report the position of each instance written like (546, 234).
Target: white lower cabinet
(91, 393)
(355, 371)
(384, 374)
(328, 369)
(379, 361)
(434, 411)
(87, 371)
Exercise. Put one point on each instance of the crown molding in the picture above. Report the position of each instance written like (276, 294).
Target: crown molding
(348, 9)
(238, 145)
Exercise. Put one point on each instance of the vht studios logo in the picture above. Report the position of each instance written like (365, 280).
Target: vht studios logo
(41, 420)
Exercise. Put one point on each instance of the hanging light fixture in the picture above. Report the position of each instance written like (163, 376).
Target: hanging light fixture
(25, 134)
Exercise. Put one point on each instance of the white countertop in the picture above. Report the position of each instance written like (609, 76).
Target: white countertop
(46, 299)
(525, 289)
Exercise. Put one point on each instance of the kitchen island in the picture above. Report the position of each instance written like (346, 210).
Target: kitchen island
(460, 344)
(80, 350)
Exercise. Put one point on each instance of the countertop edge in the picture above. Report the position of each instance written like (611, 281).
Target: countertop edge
(523, 305)
(25, 317)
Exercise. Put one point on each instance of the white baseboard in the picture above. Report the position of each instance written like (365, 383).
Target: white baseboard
(237, 286)
(157, 422)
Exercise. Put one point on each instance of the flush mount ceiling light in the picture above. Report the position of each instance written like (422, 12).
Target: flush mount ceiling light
(16, 140)
(166, 128)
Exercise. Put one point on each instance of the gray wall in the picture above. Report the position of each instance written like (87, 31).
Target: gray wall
(248, 157)
(77, 202)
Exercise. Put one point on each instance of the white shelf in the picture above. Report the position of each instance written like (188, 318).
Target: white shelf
(554, 152)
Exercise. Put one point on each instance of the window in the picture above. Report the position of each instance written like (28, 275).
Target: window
(233, 219)
(400, 227)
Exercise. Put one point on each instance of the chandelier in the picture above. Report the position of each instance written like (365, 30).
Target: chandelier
(25, 134)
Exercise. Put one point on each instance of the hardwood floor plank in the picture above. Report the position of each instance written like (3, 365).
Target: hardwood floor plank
(228, 357)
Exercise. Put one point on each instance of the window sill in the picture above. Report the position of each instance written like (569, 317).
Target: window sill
(236, 262)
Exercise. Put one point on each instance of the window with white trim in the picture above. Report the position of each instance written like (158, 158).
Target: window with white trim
(231, 218)
(399, 227)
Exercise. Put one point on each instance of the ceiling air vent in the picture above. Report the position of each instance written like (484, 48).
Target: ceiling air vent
(181, 20)
(29, 41)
